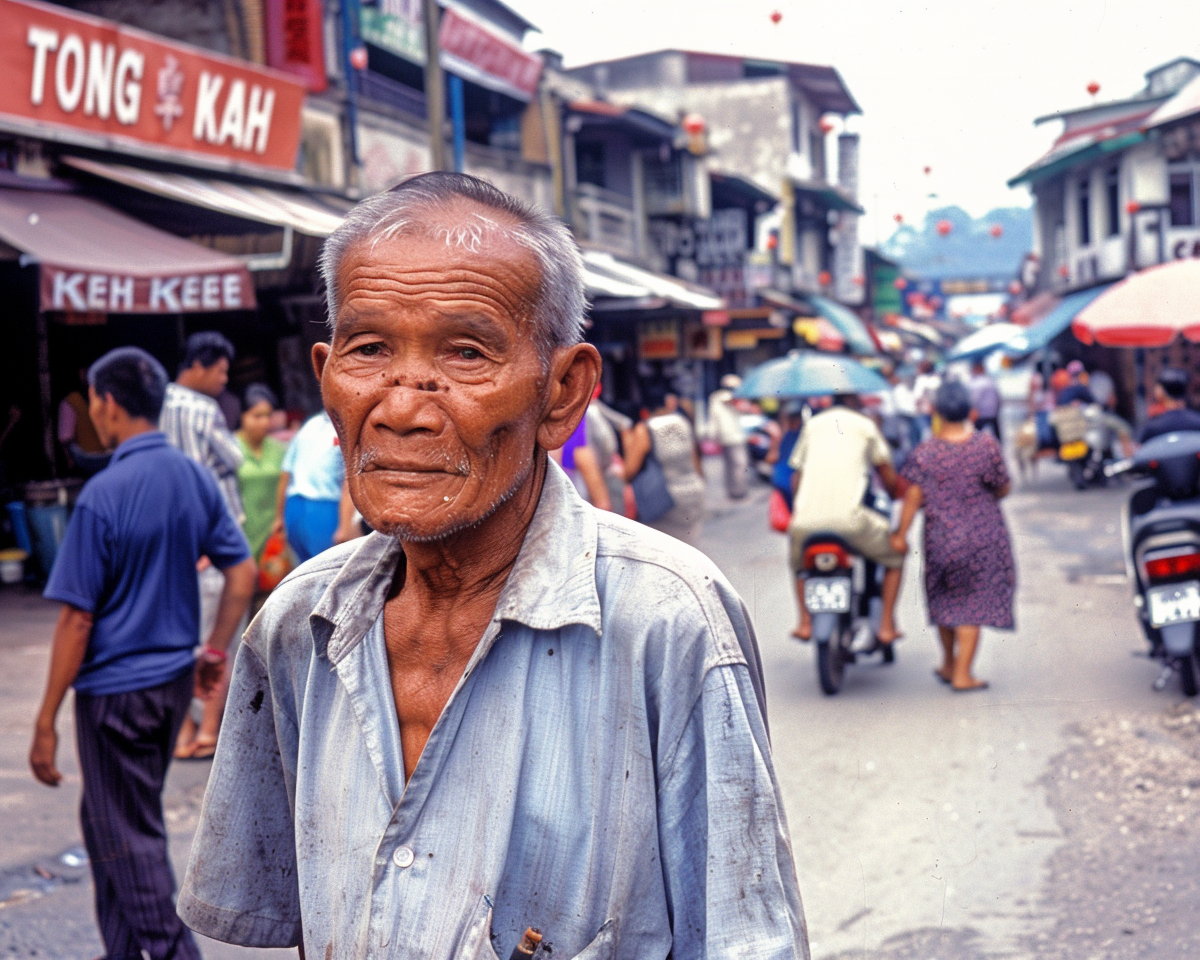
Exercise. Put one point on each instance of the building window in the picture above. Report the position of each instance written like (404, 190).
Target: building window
(797, 126)
(1112, 200)
(1084, 206)
(589, 163)
(1183, 198)
(816, 149)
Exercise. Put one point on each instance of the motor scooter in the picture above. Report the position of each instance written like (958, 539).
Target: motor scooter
(1084, 443)
(842, 592)
(1161, 529)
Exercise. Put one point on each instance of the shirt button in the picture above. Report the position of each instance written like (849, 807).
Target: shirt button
(402, 857)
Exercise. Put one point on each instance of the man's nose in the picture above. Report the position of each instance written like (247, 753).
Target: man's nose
(409, 401)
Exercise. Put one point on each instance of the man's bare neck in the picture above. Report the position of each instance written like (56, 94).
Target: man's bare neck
(473, 562)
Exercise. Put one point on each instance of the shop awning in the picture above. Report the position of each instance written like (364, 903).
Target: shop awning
(280, 208)
(607, 293)
(1052, 324)
(827, 195)
(685, 296)
(858, 338)
(94, 258)
(1034, 309)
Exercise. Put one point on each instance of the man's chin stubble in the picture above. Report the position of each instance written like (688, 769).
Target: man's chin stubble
(408, 533)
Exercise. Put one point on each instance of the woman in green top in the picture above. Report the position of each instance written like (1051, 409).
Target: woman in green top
(258, 476)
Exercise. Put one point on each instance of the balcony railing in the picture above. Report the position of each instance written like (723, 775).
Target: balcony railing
(605, 219)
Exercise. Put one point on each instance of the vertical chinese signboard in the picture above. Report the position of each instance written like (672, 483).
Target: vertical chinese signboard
(81, 74)
(295, 40)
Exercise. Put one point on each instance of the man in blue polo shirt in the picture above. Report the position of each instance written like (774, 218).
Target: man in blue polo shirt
(126, 640)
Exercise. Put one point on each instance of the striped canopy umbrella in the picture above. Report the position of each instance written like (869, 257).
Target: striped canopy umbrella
(1149, 308)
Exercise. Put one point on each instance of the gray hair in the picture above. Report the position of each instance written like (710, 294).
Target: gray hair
(557, 308)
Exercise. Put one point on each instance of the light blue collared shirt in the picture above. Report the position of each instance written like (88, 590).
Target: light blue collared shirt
(601, 771)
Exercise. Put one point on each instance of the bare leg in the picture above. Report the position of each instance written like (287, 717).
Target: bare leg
(187, 736)
(891, 592)
(968, 642)
(205, 744)
(946, 670)
(804, 631)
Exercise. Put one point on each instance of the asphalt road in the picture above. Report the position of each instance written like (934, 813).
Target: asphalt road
(1053, 815)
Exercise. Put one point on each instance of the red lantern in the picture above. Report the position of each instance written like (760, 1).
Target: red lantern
(776, 16)
(928, 171)
(1062, 271)
(899, 283)
(1014, 287)
(358, 58)
(997, 231)
(857, 281)
(944, 227)
(694, 125)
(772, 241)
(1132, 207)
(898, 217)
(915, 299)
(824, 278)
(1093, 88)
(825, 125)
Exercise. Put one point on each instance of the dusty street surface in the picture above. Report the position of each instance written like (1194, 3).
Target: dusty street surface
(1053, 815)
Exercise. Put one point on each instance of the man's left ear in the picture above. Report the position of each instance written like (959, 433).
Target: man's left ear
(574, 373)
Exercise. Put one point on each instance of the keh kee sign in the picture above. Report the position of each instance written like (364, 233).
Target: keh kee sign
(84, 75)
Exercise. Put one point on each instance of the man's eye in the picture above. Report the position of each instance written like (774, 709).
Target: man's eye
(369, 349)
(469, 353)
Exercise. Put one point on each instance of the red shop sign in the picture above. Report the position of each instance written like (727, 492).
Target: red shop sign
(466, 46)
(68, 70)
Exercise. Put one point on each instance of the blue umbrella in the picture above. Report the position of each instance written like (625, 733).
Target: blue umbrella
(806, 373)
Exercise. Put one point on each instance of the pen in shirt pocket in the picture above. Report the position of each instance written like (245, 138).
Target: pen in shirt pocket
(528, 945)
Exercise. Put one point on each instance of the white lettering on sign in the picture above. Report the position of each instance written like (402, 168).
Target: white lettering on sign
(162, 294)
(258, 119)
(97, 76)
(42, 41)
(245, 118)
(97, 97)
(120, 294)
(204, 126)
(115, 293)
(66, 288)
(71, 62)
(129, 86)
(231, 290)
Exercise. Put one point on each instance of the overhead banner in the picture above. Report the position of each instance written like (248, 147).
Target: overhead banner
(79, 73)
(468, 48)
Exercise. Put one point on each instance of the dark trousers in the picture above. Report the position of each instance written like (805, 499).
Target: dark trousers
(125, 742)
(991, 424)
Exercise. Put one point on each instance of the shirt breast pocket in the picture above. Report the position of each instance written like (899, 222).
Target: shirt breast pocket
(476, 942)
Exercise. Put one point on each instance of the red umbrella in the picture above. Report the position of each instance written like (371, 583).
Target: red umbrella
(1149, 308)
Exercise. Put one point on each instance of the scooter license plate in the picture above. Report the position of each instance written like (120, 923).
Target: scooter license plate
(1073, 451)
(827, 594)
(1176, 603)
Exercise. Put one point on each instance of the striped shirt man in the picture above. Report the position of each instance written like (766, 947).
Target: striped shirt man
(194, 424)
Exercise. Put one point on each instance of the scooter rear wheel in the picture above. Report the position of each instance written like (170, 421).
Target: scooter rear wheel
(831, 665)
(1187, 674)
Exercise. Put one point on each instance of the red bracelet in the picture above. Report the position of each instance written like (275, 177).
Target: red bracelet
(212, 655)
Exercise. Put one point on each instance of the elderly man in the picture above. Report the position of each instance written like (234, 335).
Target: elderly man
(504, 708)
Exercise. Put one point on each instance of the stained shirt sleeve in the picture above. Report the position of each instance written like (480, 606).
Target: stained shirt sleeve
(241, 884)
(727, 859)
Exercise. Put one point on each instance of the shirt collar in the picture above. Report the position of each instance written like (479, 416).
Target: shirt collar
(552, 583)
(142, 441)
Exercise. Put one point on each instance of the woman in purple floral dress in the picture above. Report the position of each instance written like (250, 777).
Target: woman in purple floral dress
(959, 478)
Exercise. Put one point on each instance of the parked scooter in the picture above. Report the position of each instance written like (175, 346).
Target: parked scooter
(842, 593)
(1161, 526)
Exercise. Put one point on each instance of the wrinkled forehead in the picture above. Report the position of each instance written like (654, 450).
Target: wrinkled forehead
(458, 242)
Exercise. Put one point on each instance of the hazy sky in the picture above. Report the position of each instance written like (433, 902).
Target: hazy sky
(950, 84)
